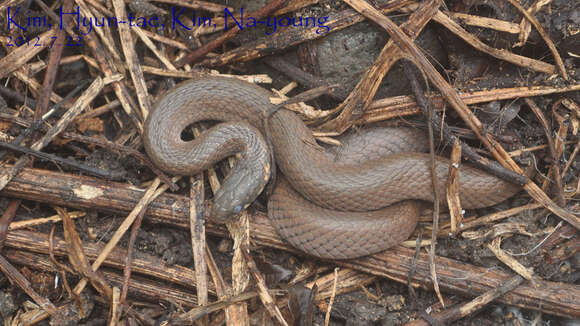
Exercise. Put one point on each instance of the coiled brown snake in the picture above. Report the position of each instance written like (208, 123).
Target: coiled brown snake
(332, 208)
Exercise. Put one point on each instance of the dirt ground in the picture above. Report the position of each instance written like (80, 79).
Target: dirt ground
(104, 137)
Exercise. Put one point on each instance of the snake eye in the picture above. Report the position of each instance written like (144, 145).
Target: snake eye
(237, 209)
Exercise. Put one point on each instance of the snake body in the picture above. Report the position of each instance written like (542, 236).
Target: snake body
(353, 204)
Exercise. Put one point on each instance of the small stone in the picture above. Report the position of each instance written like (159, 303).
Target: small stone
(393, 302)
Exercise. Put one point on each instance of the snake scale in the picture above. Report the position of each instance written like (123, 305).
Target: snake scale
(349, 205)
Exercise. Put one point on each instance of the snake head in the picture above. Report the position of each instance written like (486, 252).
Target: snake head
(239, 189)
